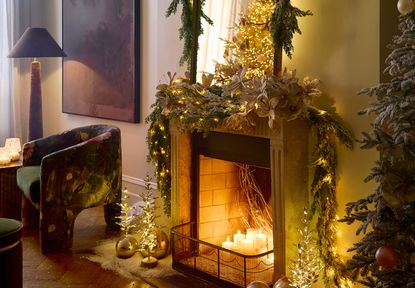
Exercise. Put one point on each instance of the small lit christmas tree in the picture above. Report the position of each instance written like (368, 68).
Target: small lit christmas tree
(148, 228)
(306, 268)
(126, 216)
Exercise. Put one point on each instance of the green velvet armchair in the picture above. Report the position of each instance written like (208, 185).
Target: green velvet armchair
(65, 173)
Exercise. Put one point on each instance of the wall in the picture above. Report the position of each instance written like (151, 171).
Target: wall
(340, 46)
(160, 53)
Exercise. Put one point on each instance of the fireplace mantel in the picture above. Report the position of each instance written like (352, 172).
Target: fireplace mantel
(289, 161)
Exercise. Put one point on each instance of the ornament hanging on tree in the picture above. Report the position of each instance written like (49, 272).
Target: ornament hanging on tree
(283, 282)
(406, 6)
(387, 257)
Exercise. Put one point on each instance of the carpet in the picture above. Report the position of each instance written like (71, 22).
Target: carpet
(104, 254)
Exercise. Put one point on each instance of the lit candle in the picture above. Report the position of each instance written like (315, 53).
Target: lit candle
(237, 238)
(4, 156)
(250, 233)
(260, 241)
(227, 244)
(13, 148)
(247, 247)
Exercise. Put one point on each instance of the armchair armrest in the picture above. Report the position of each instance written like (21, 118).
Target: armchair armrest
(35, 150)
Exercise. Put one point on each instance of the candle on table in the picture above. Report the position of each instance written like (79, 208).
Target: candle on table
(228, 245)
(260, 241)
(250, 233)
(4, 156)
(237, 238)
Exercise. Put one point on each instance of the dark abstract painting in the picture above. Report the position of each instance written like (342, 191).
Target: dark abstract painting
(101, 72)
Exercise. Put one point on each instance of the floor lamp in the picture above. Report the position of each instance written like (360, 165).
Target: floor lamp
(36, 43)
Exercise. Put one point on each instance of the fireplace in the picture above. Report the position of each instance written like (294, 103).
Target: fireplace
(210, 203)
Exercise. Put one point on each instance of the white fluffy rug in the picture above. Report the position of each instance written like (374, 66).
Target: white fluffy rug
(104, 254)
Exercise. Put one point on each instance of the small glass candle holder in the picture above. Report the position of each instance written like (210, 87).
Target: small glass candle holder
(13, 147)
(4, 156)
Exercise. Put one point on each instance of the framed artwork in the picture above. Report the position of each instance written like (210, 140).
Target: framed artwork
(101, 72)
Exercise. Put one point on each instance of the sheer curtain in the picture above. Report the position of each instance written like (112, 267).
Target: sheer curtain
(6, 103)
(225, 14)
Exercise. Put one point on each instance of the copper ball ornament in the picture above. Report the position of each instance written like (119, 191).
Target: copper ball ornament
(387, 257)
(283, 282)
(406, 6)
(126, 247)
(257, 284)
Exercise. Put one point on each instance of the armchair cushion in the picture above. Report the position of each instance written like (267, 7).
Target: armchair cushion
(28, 180)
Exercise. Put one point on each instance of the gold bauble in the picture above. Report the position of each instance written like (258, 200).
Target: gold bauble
(162, 249)
(257, 284)
(126, 247)
(406, 6)
(283, 282)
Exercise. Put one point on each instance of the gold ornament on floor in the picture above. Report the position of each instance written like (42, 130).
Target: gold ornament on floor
(283, 282)
(126, 247)
(162, 249)
(257, 284)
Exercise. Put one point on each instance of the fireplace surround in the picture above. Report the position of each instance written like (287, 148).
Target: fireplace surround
(283, 151)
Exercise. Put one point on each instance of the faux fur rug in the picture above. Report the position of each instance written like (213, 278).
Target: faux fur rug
(104, 254)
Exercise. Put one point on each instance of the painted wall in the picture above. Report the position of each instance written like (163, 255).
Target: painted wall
(340, 46)
(160, 53)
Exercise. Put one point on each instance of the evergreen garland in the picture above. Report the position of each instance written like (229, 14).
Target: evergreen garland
(323, 189)
(284, 25)
(387, 215)
(186, 31)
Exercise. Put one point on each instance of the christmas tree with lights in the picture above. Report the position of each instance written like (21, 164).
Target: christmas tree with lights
(385, 256)
(125, 217)
(252, 45)
(306, 268)
(148, 229)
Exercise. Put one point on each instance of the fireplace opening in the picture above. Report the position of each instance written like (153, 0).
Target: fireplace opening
(230, 235)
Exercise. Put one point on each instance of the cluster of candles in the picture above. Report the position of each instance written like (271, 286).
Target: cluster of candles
(251, 243)
(10, 151)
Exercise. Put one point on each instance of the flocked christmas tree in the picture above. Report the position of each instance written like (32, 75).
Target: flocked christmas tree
(306, 268)
(385, 256)
(148, 228)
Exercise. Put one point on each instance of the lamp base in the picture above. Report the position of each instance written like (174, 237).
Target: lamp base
(35, 111)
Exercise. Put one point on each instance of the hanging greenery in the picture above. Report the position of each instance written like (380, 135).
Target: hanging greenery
(284, 25)
(186, 31)
(323, 190)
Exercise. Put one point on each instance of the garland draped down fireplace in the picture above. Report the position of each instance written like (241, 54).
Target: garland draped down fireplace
(212, 200)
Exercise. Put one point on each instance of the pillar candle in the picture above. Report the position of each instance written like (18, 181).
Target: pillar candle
(250, 233)
(260, 241)
(270, 243)
(247, 247)
(4, 156)
(237, 238)
(227, 244)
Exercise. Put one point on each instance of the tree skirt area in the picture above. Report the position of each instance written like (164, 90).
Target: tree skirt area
(163, 275)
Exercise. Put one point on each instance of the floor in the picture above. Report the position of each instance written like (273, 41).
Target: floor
(70, 271)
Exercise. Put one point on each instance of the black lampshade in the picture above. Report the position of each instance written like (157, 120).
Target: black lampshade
(34, 43)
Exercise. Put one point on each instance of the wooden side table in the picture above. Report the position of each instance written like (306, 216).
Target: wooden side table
(10, 194)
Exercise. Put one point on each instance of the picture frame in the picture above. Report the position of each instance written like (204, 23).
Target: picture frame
(100, 76)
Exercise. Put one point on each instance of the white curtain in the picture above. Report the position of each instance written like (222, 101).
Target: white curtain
(6, 103)
(224, 14)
